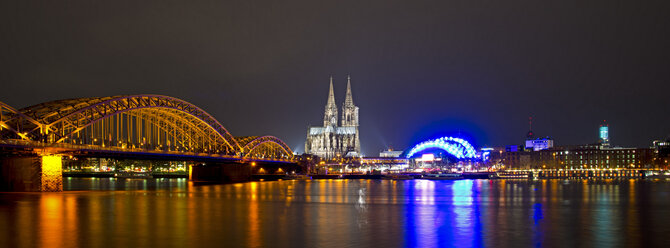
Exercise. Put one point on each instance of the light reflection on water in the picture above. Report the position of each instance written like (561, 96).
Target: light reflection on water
(339, 213)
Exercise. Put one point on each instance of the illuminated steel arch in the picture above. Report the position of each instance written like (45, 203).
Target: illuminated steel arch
(264, 147)
(13, 123)
(128, 121)
(180, 132)
(459, 148)
(148, 122)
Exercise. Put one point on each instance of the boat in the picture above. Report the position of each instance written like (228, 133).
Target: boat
(133, 175)
(657, 175)
(397, 177)
(447, 176)
(297, 177)
(510, 175)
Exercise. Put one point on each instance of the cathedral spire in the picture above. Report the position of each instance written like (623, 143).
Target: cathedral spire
(330, 115)
(349, 100)
(349, 110)
(331, 94)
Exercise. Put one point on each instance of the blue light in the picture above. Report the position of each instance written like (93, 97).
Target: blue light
(486, 156)
(459, 148)
(604, 133)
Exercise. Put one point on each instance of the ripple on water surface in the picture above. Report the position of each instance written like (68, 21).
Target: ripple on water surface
(108, 212)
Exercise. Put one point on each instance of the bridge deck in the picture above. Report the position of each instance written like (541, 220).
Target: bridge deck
(116, 152)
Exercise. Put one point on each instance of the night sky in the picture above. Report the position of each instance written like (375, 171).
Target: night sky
(419, 68)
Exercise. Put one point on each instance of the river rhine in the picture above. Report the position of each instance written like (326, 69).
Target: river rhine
(340, 213)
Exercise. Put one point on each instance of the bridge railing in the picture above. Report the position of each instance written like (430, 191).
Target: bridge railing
(73, 147)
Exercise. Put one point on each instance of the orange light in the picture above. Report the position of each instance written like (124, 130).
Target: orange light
(52, 173)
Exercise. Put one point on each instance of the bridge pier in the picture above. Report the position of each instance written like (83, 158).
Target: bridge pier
(42, 173)
(220, 172)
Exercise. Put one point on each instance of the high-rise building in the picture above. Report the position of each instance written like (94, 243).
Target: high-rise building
(604, 134)
(332, 140)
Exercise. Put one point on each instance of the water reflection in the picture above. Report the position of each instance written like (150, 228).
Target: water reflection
(443, 214)
(337, 213)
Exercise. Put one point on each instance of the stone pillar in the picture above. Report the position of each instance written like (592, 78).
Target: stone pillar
(32, 173)
(190, 172)
(52, 173)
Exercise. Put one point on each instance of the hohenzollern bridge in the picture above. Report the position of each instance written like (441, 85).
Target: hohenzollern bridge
(129, 126)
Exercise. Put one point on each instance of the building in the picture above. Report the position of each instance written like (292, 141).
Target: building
(331, 140)
(541, 154)
(604, 134)
(384, 163)
(533, 144)
(606, 157)
(662, 148)
(539, 144)
(512, 148)
(581, 157)
(390, 154)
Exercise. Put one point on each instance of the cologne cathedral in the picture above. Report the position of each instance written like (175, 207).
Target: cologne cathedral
(331, 140)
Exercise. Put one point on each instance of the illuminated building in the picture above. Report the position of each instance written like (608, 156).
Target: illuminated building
(390, 154)
(457, 147)
(441, 152)
(539, 144)
(331, 140)
(390, 163)
(534, 144)
(485, 153)
(662, 148)
(604, 134)
(581, 157)
(541, 154)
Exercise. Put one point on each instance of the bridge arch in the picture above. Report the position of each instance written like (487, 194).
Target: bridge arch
(15, 122)
(264, 146)
(459, 148)
(62, 120)
(146, 122)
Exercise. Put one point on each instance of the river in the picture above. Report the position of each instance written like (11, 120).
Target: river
(340, 213)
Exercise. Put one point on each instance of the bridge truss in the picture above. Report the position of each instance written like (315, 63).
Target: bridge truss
(264, 147)
(144, 122)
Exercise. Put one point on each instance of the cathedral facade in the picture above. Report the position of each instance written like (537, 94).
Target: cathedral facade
(331, 140)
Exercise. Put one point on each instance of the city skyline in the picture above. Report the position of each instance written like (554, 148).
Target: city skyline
(336, 123)
(416, 67)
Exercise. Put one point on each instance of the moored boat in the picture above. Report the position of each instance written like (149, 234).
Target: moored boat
(510, 175)
(447, 176)
(297, 177)
(657, 175)
(398, 177)
(133, 175)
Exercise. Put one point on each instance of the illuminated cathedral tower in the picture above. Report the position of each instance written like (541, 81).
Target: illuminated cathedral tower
(330, 114)
(350, 140)
(331, 140)
(349, 110)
